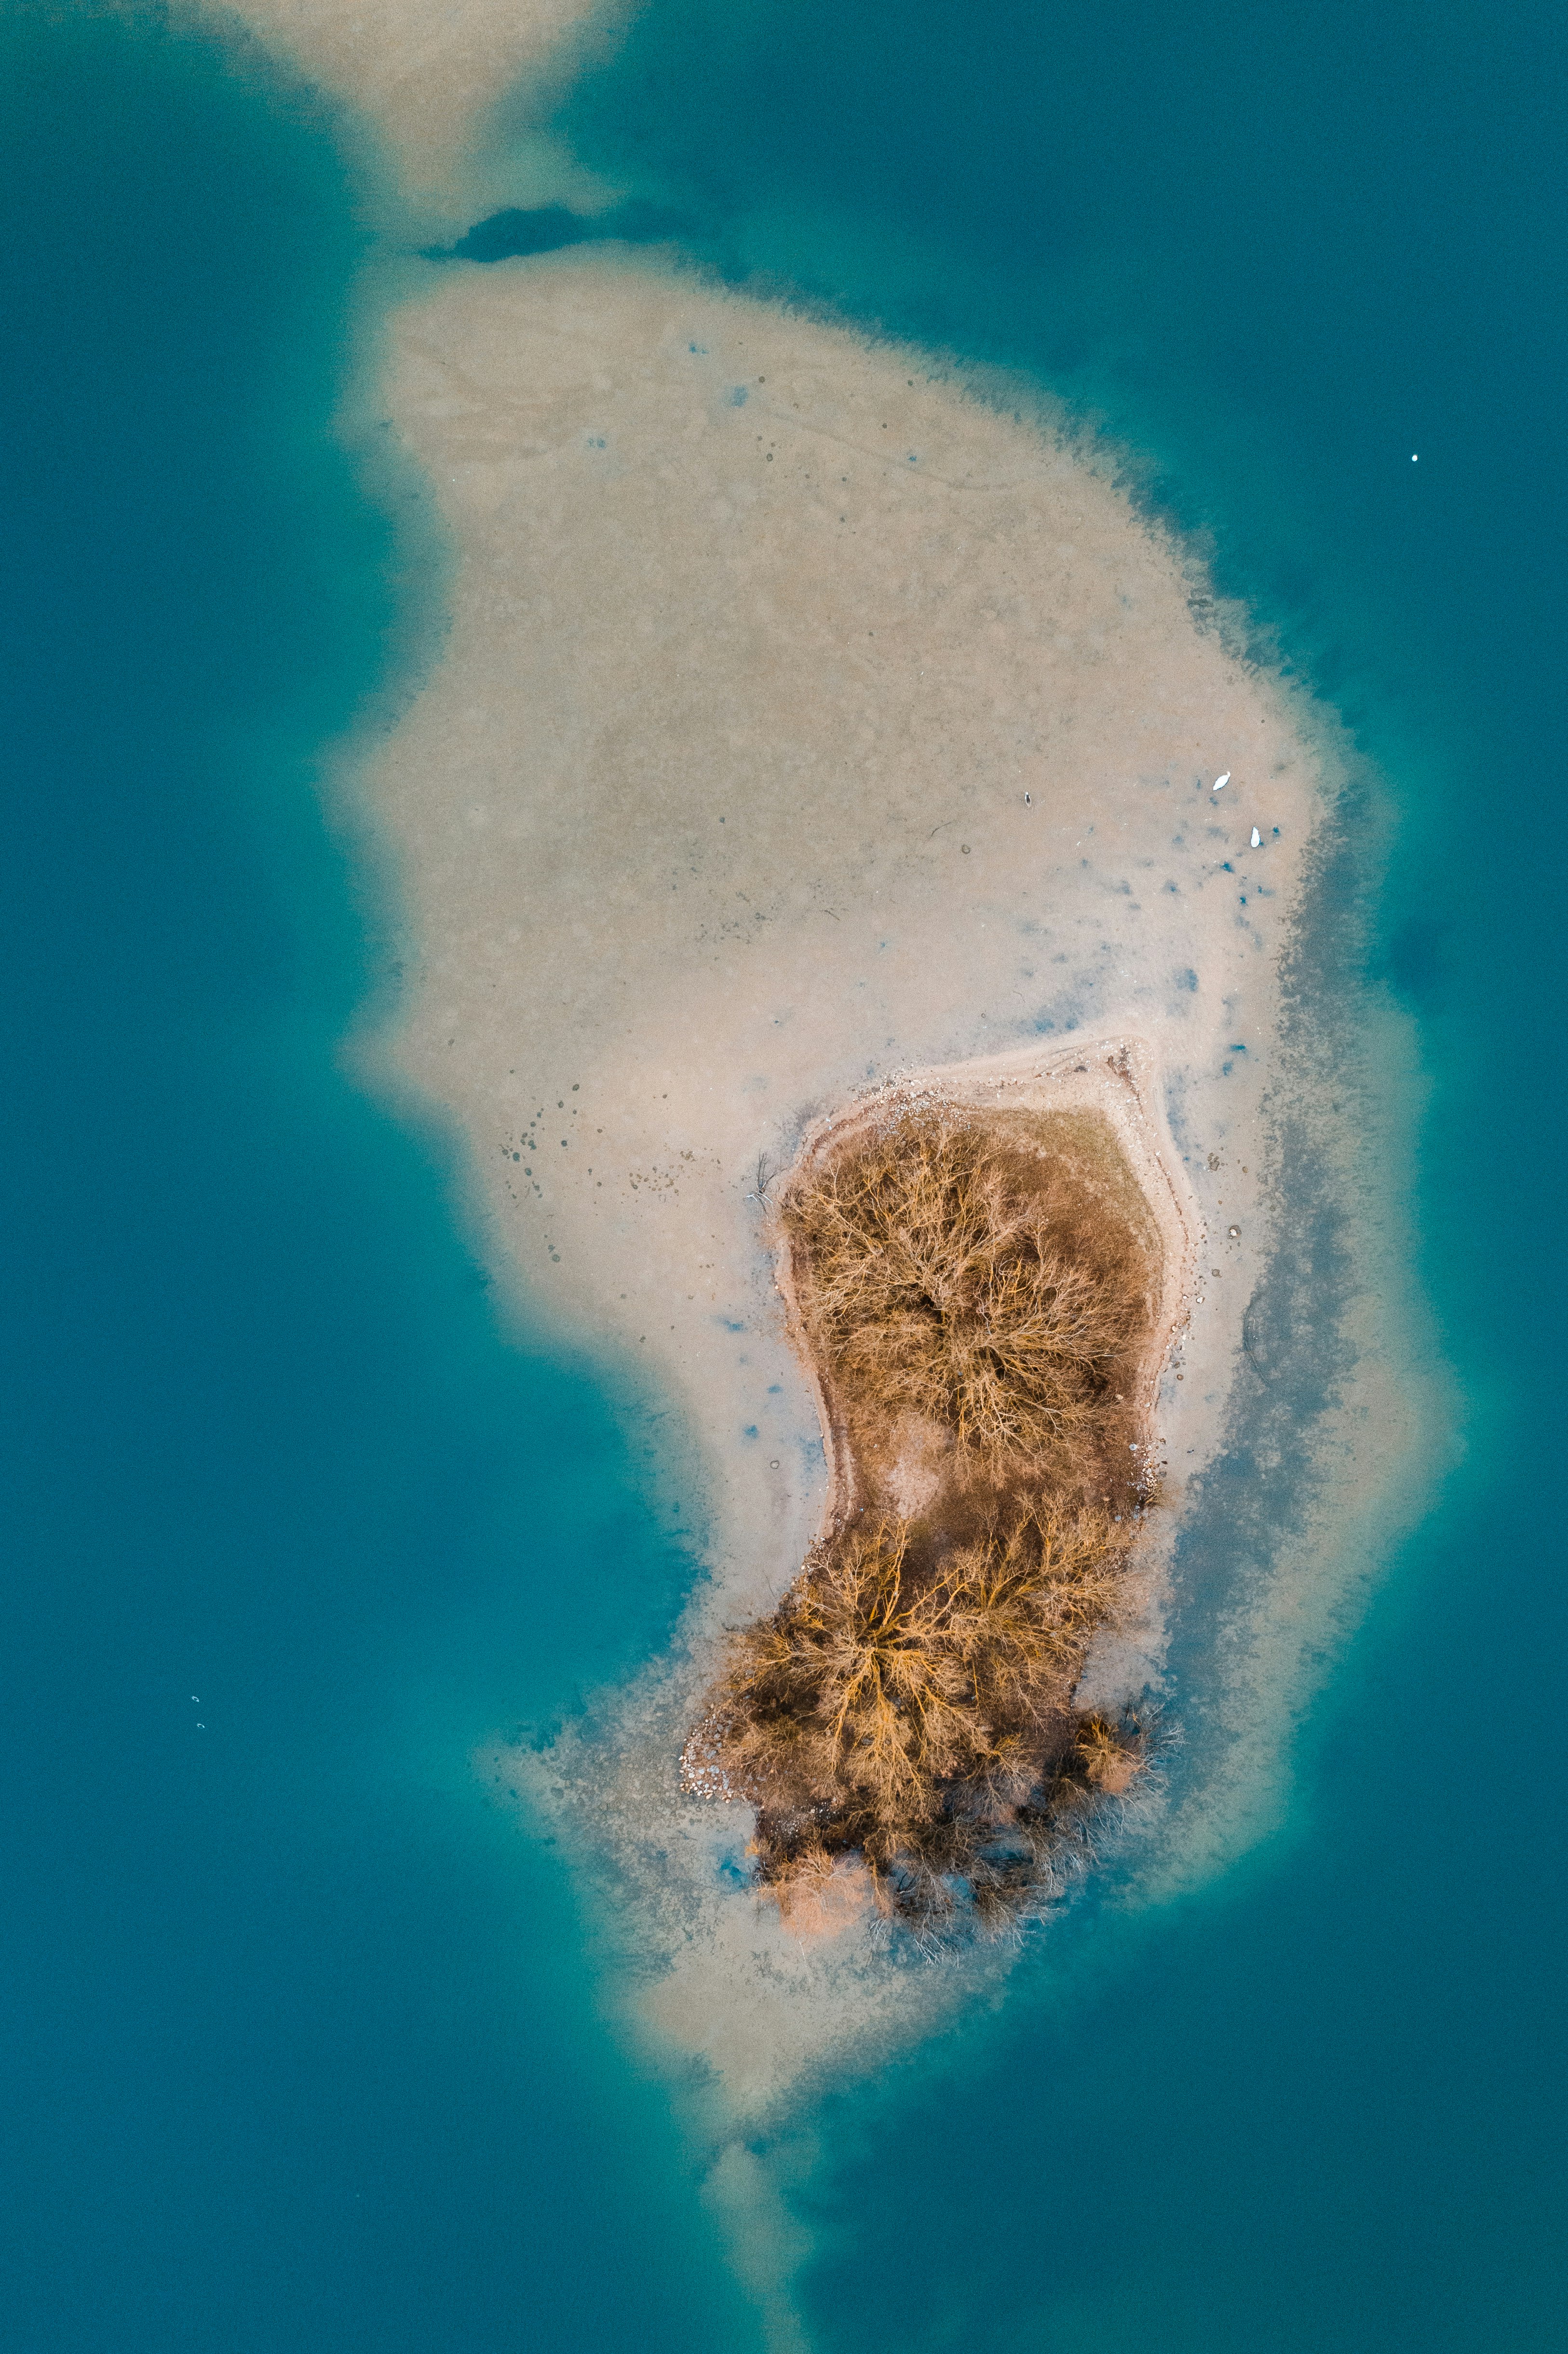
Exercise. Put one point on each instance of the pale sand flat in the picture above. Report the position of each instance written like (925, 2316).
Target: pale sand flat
(714, 812)
(425, 75)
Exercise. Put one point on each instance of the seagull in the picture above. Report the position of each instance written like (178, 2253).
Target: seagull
(1221, 782)
(1256, 839)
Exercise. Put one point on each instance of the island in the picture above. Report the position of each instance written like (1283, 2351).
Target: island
(978, 1290)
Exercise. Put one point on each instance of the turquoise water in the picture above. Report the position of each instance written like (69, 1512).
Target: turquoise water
(300, 2050)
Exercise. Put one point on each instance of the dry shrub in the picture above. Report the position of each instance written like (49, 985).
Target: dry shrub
(934, 1277)
(921, 1715)
(910, 1701)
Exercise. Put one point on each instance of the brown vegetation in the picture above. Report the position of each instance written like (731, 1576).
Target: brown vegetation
(911, 1702)
(943, 1269)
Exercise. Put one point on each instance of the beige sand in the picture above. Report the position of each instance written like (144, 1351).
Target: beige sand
(425, 76)
(715, 811)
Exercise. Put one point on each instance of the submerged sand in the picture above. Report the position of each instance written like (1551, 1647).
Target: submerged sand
(424, 81)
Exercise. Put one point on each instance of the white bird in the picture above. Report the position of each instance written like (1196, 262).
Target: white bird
(1221, 782)
(1256, 839)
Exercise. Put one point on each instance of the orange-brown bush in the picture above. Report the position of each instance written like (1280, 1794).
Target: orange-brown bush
(934, 1277)
(910, 1701)
(920, 1716)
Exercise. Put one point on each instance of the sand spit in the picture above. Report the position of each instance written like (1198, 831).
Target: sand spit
(426, 79)
(809, 721)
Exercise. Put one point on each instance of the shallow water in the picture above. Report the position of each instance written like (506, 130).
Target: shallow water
(301, 2047)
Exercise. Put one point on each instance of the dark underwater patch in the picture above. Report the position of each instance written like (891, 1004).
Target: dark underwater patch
(546, 228)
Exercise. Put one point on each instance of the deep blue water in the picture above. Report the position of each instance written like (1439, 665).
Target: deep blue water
(299, 2049)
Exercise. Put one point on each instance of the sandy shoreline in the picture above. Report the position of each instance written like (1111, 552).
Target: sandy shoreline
(807, 723)
(425, 88)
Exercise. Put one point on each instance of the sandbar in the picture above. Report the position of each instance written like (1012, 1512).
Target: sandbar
(810, 717)
(423, 84)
